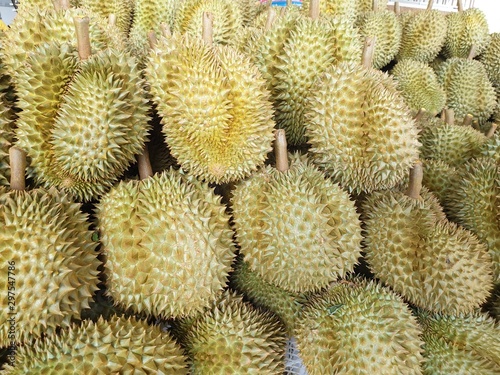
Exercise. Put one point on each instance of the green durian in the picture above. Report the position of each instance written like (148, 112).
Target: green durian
(491, 148)
(284, 304)
(419, 86)
(122, 9)
(491, 59)
(433, 263)
(468, 89)
(423, 37)
(383, 25)
(82, 122)
(359, 327)
(466, 29)
(311, 48)
(46, 244)
(437, 177)
(179, 231)
(117, 346)
(297, 229)
(234, 337)
(462, 344)
(218, 126)
(345, 9)
(367, 5)
(360, 129)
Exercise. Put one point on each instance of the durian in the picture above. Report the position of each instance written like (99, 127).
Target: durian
(369, 5)
(419, 86)
(234, 337)
(218, 125)
(121, 9)
(358, 327)
(117, 346)
(345, 9)
(412, 247)
(168, 244)
(462, 344)
(297, 229)
(491, 59)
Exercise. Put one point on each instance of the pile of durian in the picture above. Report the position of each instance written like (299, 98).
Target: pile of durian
(225, 187)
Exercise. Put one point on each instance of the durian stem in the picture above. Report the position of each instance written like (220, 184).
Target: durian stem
(460, 5)
(314, 9)
(112, 19)
(415, 184)
(472, 52)
(83, 37)
(208, 30)
(374, 5)
(65, 4)
(492, 130)
(153, 42)
(449, 116)
(368, 51)
(17, 168)
(165, 30)
(144, 164)
(468, 120)
(289, 3)
(271, 17)
(430, 4)
(280, 150)
(397, 8)
(420, 114)
(475, 124)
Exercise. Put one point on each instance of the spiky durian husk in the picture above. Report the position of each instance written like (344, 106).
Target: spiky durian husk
(227, 18)
(218, 126)
(297, 229)
(54, 274)
(122, 9)
(386, 28)
(38, 27)
(6, 140)
(423, 37)
(464, 30)
(312, 47)
(491, 59)
(360, 129)
(357, 327)
(249, 10)
(474, 203)
(437, 178)
(462, 344)
(491, 148)
(27, 6)
(452, 144)
(430, 261)
(117, 346)
(419, 86)
(345, 9)
(179, 231)
(367, 5)
(285, 305)
(468, 89)
(86, 121)
(232, 336)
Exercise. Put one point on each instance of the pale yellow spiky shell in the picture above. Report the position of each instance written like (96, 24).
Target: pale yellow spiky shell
(338, 8)
(491, 59)
(122, 9)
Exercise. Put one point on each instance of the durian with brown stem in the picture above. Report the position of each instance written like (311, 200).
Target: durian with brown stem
(359, 127)
(47, 248)
(412, 247)
(114, 346)
(121, 9)
(218, 126)
(296, 228)
(359, 327)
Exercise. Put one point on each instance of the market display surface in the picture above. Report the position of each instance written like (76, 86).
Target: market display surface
(231, 187)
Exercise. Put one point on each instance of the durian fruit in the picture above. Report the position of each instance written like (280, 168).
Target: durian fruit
(296, 228)
(358, 327)
(48, 251)
(218, 125)
(6, 138)
(38, 27)
(411, 247)
(360, 129)
(466, 29)
(468, 89)
(368, 5)
(227, 18)
(491, 59)
(462, 344)
(249, 10)
(338, 8)
(121, 9)
(383, 25)
(437, 177)
(168, 244)
(491, 148)
(82, 120)
(234, 337)
(424, 34)
(419, 86)
(284, 304)
(117, 346)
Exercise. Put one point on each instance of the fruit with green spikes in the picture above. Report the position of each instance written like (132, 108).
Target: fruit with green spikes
(437, 177)
(369, 5)
(462, 344)
(431, 262)
(117, 346)
(357, 327)
(491, 59)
